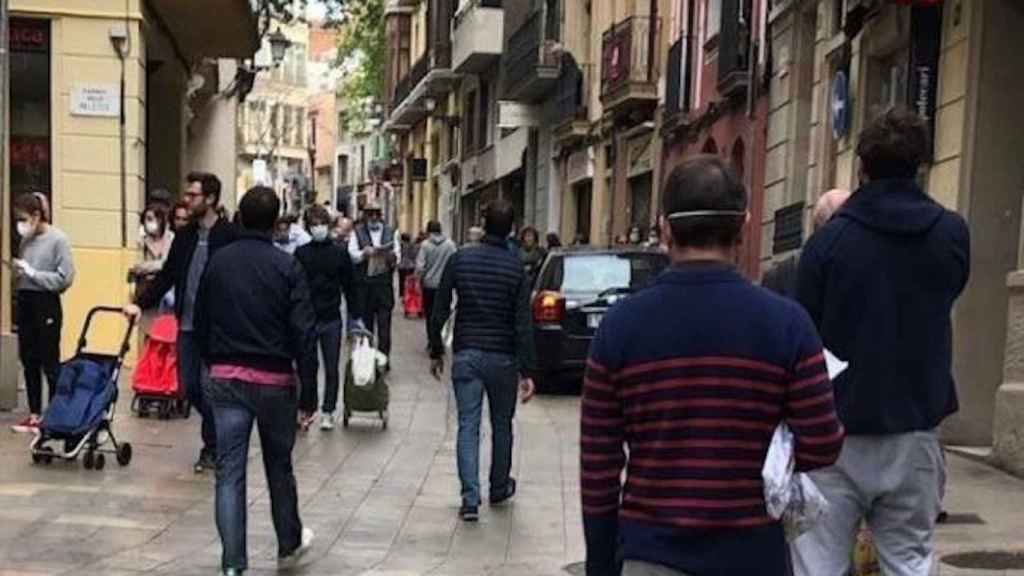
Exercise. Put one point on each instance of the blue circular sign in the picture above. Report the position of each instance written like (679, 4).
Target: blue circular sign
(840, 105)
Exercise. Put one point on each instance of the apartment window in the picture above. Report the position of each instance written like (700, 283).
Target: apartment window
(288, 130)
(300, 64)
(552, 20)
(713, 19)
(485, 113)
(301, 120)
(470, 123)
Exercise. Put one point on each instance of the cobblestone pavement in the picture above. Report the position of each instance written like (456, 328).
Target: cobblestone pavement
(383, 503)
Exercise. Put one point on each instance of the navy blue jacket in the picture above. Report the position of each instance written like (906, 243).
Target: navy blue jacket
(254, 310)
(493, 303)
(879, 281)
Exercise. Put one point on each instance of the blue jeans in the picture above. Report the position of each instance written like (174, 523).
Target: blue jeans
(475, 372)
(192, 376)
(236, 406)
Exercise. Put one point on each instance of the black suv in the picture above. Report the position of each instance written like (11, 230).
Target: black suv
(574, 289)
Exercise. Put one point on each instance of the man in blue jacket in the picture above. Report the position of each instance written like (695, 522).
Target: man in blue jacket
(256, 328)
(879, 281)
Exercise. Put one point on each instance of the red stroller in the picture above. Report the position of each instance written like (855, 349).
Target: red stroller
(155, 381)
(412, 301)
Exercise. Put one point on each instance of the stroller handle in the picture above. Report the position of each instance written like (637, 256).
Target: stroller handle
(83, 339)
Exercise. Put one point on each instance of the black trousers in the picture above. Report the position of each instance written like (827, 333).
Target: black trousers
(429, 294)
(378, 303)
(39, 318)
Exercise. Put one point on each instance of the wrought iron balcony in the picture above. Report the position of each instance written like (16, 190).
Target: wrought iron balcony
(572, 103)
(405, 86)
(628, 51)
(531, 62)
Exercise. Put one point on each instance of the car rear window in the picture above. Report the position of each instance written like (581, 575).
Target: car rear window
(596, 273)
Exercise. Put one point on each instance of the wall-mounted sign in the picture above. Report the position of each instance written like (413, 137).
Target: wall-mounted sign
(103, 100)
(640, 152)
(840, 105)
(580, 166)
(418, 169)
(925, 48)
(513, 115)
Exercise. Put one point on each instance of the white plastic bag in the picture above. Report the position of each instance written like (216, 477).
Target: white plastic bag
(790, 496)
(364, 362)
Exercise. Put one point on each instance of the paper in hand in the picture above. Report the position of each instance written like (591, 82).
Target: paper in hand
(835, 365)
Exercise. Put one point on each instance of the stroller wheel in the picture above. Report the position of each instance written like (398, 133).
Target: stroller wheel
(124, 454)
(101, 461)
(89, 460)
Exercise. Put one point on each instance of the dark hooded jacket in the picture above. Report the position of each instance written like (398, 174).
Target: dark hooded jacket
(879, 281)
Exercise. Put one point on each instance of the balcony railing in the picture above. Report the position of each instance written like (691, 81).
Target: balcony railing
(572, 94)
(527, 50)
(627, 54)
(409, 81)
(734, 47)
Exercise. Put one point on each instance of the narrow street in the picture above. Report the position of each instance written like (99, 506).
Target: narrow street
(382, 503)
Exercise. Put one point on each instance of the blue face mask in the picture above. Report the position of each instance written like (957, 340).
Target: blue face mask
(376, 225)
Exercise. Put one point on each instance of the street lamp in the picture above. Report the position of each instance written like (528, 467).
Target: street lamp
(279, 44)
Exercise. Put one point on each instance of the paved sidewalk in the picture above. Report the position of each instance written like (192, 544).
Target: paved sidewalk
(382, 503)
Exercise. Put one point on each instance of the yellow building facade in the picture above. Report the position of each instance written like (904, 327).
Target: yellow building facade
(74, 67)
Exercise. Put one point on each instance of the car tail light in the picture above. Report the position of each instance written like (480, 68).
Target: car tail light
(548, 308)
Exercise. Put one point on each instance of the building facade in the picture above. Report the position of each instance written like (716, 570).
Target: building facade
(274, 129)
(839, 64)
(74, 69)
(716, 71)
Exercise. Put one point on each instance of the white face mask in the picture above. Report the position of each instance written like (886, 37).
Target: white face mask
(319, 232)
(152, 228)
(24, 229)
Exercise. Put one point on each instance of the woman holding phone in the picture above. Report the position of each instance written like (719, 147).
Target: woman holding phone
(44, 270)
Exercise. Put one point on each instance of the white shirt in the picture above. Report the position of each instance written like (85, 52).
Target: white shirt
(358, 254)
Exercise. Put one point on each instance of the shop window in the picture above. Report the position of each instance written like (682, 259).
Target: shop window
(30, 123)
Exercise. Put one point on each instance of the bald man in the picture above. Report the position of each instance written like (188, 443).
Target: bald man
(782, 277)
(827, 206)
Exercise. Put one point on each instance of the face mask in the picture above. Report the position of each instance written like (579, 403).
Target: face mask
(634, 238)
(319, 233)
(281, 238)
(152, 228)
(24, 229)
(376, 225)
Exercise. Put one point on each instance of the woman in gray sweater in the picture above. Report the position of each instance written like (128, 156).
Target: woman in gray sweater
(44, 271)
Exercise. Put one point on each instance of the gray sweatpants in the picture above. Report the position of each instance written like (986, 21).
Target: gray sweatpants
(892, 482)
(637, 568)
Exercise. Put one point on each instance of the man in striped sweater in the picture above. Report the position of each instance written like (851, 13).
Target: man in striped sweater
(692, 375)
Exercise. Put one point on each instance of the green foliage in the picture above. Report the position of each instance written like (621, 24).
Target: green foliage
(362, 54)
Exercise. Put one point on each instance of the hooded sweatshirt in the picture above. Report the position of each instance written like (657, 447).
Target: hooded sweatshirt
(432, 258)
(879, 281)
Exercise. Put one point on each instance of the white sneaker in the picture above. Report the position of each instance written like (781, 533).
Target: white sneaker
(292, 560)
(327, 421)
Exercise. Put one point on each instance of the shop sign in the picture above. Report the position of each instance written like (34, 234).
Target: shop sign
(640, 153)
(102, 100)
(29, 35)
(512, 115)
(925, 48)
(580, 166)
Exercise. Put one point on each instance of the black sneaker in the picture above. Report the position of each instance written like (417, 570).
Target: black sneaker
(469, 513)
(510, 492)
(205, 462)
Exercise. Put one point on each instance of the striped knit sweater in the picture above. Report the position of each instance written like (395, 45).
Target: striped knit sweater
(691, 377)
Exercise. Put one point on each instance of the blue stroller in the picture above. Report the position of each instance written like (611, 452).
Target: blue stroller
(80, 415)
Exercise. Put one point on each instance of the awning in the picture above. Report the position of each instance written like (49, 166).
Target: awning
(208, 28)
